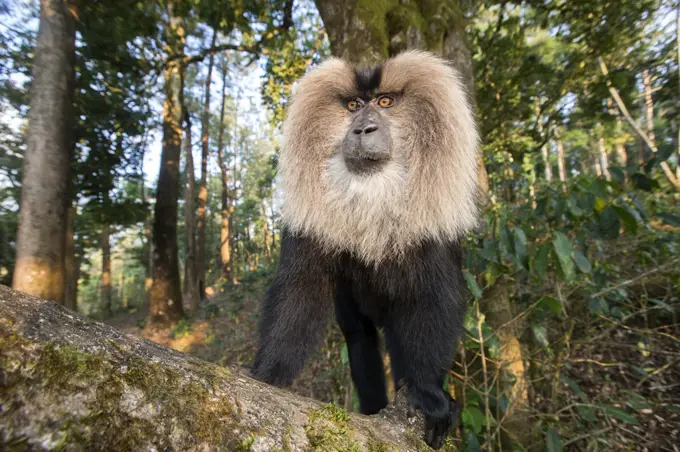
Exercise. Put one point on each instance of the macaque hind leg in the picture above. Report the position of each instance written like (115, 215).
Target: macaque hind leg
(363, 347)
(295, 313)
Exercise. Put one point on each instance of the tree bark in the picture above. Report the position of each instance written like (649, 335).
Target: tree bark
(203, 187)
(547, 168)
(105, 280)
(146, 256)
(649, 106)
(71, 383)
(39, 268)
(70, 263)
(165, 299)
(265, 229)
(603, 159)
(621, 154)
(561, 165)
(190, 278)
(676, 131)
(225, 211)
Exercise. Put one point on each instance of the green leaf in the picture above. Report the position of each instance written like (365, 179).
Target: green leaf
(550, 304)
(470, 322)
(574, 387)
(620, 415)
(520, 246)
(598, 306)
(574, 208)
(609, 224)
(582, 262)
(552, 441)
(643, 182)
(472, 285)
(540, 261)
(586, 413)
(541, 335)
(507, 244)
(473, 418)
(472, 443)
(636, 401)
(672, 220)
(564, 252)
(600, 204)
(344, 355)
(629, 221)
(618, 174)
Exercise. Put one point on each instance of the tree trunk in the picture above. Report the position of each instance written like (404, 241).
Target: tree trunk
(547, 167)
(165, 299)
(105, 280)
(146, 256)
(39, 268)
(265, 229)
(676, 145)
(225, 211)
(70, 263)
(76, 384)
(676, 129)
(604, 161)
(561, 165)
(649, 106)
(190, 277)
(621, 154)
(203, 187)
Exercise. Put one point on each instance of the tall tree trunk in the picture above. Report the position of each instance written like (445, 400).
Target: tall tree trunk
(225, 212)
(39, 268)
(190, 278)
(649, 106)
(621, 154)
(146, 256)
(70, 263)
(547, 167)
(676, 129)
(271, 205)
(165, 299)
(105, 280)
(234, 193)
(265, 229)
(203, 188)
(676, 145)
(561, 165)
(603, 159)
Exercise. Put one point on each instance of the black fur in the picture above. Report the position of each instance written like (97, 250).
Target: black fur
(419, 303)
(367, 81)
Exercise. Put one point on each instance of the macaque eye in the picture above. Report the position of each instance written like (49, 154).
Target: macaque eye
(354, 104)
(385, 101)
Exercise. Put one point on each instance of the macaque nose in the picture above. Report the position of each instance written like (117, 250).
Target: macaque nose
(366, 129)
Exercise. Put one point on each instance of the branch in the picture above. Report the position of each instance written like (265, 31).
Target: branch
(638, 131)
(70, 382)
(256, 49)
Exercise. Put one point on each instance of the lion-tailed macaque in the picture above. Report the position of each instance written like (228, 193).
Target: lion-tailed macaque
(378, 170)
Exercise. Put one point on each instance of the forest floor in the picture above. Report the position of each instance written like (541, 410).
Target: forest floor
(224, 331)
(618, 383)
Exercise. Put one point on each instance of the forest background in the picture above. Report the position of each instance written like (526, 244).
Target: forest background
(138, 148)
